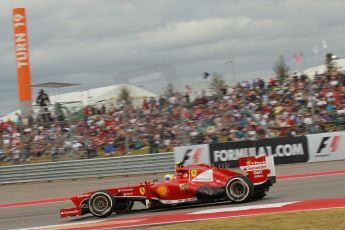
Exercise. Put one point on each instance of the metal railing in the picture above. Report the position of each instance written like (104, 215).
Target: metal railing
(114, 166)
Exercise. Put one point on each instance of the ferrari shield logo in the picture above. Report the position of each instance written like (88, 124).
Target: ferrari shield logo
(142, 190)
(193, 172)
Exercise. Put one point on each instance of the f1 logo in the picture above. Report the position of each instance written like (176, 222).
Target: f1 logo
(195, 154)
(333, 145)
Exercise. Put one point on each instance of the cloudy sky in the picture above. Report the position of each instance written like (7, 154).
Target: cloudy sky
(92, 41)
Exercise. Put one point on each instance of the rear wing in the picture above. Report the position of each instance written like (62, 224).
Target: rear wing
(260, 169)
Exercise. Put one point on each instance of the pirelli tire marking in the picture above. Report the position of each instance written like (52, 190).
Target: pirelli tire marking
(239, 189)
(101, 204)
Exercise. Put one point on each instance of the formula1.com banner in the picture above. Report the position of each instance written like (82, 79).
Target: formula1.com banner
(286, 150)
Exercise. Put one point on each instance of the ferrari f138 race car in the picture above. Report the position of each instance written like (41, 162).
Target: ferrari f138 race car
(191, 184)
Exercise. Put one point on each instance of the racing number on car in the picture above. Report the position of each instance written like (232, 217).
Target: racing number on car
(193, 172)
(142, 190)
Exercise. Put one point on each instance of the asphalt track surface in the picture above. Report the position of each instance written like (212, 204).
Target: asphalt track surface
(307, 188)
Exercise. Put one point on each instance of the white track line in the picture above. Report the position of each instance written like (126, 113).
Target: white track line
(260, 206)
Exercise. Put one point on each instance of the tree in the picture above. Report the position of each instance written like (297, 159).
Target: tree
(124, 96)
(330, 64)
(217, 84)
(281, 69)
(170, 90)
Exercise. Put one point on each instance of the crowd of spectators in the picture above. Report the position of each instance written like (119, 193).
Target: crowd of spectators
(248, 110)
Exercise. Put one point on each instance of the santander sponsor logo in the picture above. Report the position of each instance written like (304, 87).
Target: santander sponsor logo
(257, 164)
(75, 211)
(254, 167)
(125, 190)
(84, 195)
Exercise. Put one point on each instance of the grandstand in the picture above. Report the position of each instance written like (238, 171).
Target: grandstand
(250, 110)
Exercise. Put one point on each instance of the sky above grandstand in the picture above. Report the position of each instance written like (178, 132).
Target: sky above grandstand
(92, 41)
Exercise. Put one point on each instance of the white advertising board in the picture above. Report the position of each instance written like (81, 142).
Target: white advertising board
(192, 154)
(326, 146)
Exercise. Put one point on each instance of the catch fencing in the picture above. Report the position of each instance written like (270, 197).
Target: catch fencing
(114, 166)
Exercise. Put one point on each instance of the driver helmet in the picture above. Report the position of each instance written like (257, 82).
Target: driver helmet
(168, 177)
(179, 164)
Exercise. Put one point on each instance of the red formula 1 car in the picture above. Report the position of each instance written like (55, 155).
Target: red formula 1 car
(191, 184)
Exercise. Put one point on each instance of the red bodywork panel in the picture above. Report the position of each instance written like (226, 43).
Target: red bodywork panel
(182, 188)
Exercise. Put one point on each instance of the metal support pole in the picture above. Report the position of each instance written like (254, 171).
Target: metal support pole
(125, 119)
(184, 136)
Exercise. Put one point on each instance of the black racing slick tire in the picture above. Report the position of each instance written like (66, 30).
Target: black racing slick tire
(101, 204)
(239, 189)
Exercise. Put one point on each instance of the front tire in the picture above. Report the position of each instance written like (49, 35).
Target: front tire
(239, 189)
(101, 204)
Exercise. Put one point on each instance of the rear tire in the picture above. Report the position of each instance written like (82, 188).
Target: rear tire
(239, 189)
(101, 204)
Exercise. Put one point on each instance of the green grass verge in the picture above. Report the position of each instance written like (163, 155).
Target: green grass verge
(333, 219)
